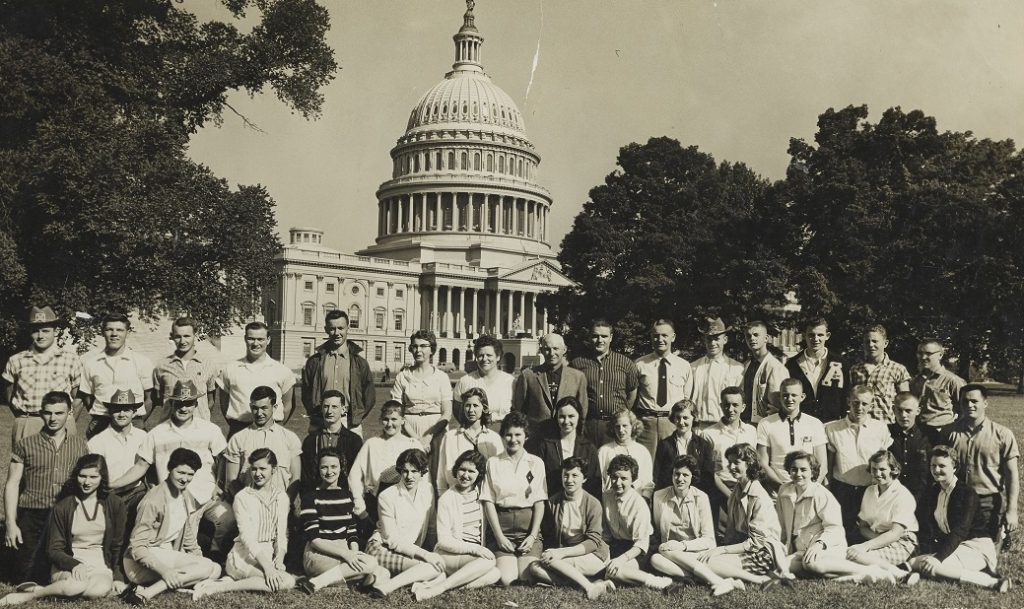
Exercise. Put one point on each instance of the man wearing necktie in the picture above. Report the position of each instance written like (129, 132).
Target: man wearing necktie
(665, 378)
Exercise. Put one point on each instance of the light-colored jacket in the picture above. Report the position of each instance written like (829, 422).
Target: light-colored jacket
(765, 397)
(152, 526)
(815, 516)
(698, 509)
(449, 524)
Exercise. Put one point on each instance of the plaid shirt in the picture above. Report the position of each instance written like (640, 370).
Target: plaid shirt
(884, 380)
(47, 467)
(36, 374)
(609, 380)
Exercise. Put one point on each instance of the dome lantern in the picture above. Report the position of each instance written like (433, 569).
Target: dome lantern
(467, 43)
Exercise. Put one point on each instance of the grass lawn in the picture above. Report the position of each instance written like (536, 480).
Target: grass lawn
(1006, 408)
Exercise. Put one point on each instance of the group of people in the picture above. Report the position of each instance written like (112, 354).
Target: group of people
(597, 472)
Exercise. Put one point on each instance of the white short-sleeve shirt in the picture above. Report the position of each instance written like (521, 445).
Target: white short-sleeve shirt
(895, 506)
(240, 377)
(104, 374)
(200, 436)
(782, 436)
(515, 483)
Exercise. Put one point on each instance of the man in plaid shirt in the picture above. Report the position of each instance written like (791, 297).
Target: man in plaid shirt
(883, 376)
(30, 374)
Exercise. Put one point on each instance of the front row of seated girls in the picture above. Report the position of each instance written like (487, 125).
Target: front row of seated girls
(497, 524)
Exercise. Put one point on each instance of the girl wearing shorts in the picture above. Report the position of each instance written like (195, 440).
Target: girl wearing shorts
(513, 497)
(886, 521)
(256, 561)
(954, 534)
(163, 553)
(575, 549)
(406, 510)
(684, 526)
(627, 527)
(84, 538)
(753, 547)
(461, 530)
(332, 555)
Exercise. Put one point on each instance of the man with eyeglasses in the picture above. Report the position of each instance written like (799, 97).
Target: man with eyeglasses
(937, 389)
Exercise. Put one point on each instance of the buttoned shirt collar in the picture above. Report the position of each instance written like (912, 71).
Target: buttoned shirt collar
(678, 501)
(124, 354)
(45, 355)
(796, 419)
(194, 357)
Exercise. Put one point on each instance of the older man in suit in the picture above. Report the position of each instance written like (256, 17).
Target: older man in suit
(538, 389)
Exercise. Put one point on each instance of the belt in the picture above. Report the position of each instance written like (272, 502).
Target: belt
(21, 414)
(660, 414)
(500, 508)
(422, 414)
(598, 417)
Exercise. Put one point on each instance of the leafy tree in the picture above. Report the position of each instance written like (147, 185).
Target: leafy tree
(910, 227)
(100, 207)
(673, 234)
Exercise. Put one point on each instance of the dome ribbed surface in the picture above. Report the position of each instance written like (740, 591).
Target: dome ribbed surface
(470, 98)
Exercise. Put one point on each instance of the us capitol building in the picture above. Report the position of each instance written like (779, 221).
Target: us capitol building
(462, 242)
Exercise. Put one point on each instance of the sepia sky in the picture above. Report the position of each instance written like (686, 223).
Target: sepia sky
(738, 79)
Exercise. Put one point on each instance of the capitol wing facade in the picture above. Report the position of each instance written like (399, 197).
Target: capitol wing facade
(462, 237)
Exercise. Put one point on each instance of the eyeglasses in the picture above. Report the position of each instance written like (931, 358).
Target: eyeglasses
(927, 353)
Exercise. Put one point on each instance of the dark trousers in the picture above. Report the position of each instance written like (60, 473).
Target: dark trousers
(31, 564)
(849, 498)
(991, 507)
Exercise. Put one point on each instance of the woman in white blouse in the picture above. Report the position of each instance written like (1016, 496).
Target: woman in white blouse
(424, 390)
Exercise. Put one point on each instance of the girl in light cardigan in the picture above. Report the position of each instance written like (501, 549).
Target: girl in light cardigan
(164, 553)
(256, 561)
(461, 529)
(685, 532)
(83, 539)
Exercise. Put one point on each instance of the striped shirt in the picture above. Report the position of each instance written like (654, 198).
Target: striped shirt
(609, 380)
(472, 518)
(33, 375)
(327, 514)
(261, 519)
(47, 467)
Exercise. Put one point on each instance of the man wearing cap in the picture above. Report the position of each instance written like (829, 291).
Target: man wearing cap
(937, 389)
(239, 377)
(184, 430)
(713, 372)
(115, 365)
(119, 444)
(612, 381)
(762, 375)
(336, 364)
(38, 370)
(536, 391)
(185, 364)
(665, 378)
(40, 465)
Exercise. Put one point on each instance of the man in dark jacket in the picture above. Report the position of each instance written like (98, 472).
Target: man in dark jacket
(822, 374)
(336, 364)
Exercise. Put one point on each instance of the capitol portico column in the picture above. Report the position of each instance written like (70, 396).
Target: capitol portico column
(487, 311)
(529, 218)
(433, 308)
(476, 323)
(511, 313)
(544, 319)
(455, 212)
(522, 309)
(485, 214)
(498, 330)
(515, 216)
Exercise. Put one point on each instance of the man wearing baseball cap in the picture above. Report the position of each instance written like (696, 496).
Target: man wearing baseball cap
(38, 370)
(713, 372)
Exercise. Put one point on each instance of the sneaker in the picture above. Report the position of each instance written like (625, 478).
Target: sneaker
(910, 579)
(1003, 585)
(135, 599)
(305, 586)
(722, 589)
(738, 584)
(26, 587)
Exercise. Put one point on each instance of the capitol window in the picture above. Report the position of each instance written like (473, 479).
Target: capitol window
(451, 160)
(309, 286)
(476, 161)
(307, 315)
(378, 352)
(380, 291)
(399, 320)
(353, 316)
(378, 318)
(399, 293)
(329, 287)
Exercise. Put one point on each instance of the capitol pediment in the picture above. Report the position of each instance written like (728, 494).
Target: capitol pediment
(537, 271)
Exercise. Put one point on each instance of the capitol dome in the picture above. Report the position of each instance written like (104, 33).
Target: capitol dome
(463, 186)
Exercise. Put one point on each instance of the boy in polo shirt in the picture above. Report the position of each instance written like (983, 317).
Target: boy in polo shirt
(786, 431)
(114, 366)
(184, 430)
(42, 462)
(263, 432)
(728, 431)
(851, 442)
(241, 376)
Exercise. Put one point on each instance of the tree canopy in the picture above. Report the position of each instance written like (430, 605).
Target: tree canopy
(673, 234)
(101, 208)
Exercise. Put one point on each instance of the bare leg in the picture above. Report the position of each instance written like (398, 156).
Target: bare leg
(199, 571)
(417, 573)
(730, 566)
(565, 569)
(685, 563)
(96, 587)
(508, 566)
(249, 584)
(468, 574)
(630, 574)
(945, 570)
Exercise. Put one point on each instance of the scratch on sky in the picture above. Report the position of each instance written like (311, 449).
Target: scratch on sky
(536, 53)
